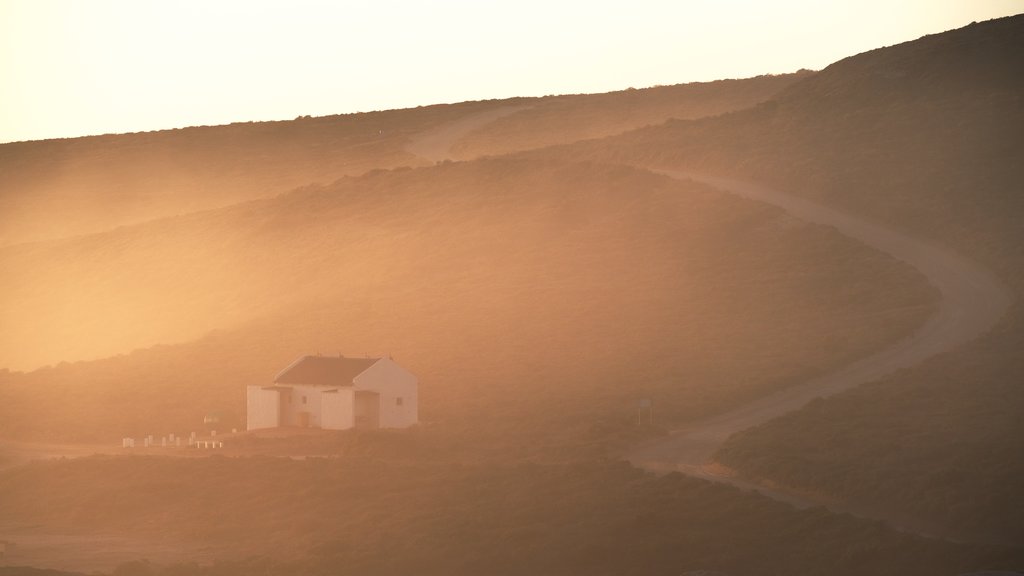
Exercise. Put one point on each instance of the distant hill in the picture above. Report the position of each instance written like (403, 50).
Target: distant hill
(925, 135)
(570, 118)
(56, 188)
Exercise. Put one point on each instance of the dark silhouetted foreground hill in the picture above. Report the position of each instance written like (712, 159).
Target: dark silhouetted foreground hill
(366, 516)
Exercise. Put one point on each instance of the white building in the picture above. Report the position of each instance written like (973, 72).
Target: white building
(335, 393)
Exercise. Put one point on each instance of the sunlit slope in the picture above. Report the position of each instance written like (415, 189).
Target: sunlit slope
(927, 136)
(57, 188)
(564, 119)
(569, 286)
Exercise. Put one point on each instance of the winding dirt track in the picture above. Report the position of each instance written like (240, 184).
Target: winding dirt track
(972, 301)
(436, 145)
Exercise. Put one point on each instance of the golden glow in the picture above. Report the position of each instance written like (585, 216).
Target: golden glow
(75, 68)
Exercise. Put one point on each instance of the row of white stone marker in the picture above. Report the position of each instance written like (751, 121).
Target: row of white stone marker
(173, 441)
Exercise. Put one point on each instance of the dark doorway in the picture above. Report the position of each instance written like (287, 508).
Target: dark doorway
(366, 410)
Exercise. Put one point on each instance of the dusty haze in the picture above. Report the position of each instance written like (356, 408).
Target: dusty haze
(722, 253)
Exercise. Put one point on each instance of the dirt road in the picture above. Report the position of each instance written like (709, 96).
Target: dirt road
(972, 301)
(436, 145)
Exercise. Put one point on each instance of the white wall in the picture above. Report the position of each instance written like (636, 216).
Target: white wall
(294, 404)
(392, 381)
(262, 407)
(332, 408)
(336, 409)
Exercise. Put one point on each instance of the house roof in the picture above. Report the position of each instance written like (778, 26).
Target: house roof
(324, 370)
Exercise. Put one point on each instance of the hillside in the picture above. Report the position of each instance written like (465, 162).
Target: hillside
(374, 517)
(482, 277)
(925, 136)
(570, 118)
(58, 188)
(538, 296)
(940, 443)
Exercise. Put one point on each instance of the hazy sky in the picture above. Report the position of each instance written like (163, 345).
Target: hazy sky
(69, 68)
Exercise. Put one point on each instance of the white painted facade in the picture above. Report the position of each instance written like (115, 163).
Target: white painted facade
(336, 410)
(398, 389)
(262, 407)
(381, 395)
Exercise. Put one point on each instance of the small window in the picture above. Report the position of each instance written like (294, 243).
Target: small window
(398, 401)
(303, 399)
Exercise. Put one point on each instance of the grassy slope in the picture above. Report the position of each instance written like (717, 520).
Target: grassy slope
(372, 517)
(565, 119)
(57, 188)
(577, 347)
(533, 298)
(942, 442)
(926, 136)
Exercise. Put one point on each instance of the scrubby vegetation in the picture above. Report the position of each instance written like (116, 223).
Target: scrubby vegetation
(942, 442)
(534, 299)
(360, 516)
(570, 118)
(538, 297)
(57, 188)
(926, 136)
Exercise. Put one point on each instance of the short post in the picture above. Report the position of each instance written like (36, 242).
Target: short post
(644, 404)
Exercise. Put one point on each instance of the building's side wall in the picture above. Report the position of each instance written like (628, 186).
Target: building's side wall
(263, 407)
(336, 409)
(392, 382)
(294, 405)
